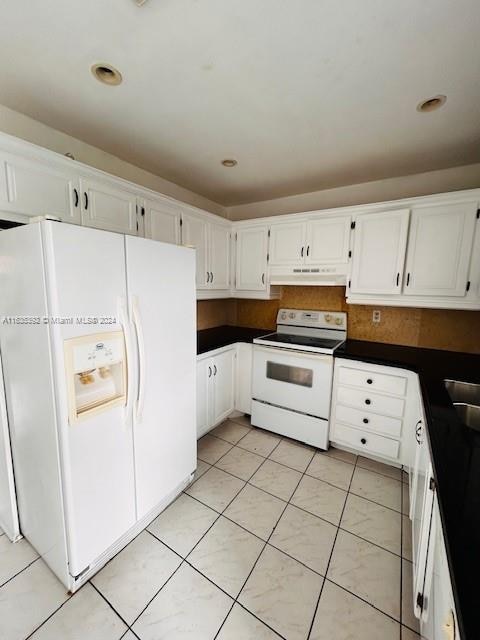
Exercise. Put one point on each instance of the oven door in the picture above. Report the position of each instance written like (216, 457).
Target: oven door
(293, 380)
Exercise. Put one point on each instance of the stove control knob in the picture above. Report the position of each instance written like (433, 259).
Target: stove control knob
(292, 315)
(338, 321)
(328, 317)
(283, 316)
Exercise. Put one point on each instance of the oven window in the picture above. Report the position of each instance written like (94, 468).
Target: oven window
(285, 373)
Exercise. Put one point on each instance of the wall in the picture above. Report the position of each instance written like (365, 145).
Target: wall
(420, 184)
(432, 328)
(17, 124)
(215, 313)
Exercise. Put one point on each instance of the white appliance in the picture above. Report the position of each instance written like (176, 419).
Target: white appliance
(293, 373)
(98, 340)
(324, 275)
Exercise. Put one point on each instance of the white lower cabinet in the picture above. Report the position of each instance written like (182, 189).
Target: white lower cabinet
(373, 410)
(215, 388)
(243, 382)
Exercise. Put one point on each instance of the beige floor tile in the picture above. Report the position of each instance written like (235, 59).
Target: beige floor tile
(202, 467)
(260, 442)
(340, 454)
(135, 575)
(331, 470)
(230, 431)
(256, 510)
(379, 467)
(14, 556)
(189, 607)
(320, 498)
(242, 419)
(406, 538)
(380, 489)
(215, 489)
(240, 463)
(282, 593)
(226, 555)
(85, 615)
(367, 571)
(408, 634)
(342, 616)
(277, 479)
(294, 455)
(28, 600)
(183, 523)
(305, 537)
(373, 522)
(210, 449)
(408, 617)
(241, 625)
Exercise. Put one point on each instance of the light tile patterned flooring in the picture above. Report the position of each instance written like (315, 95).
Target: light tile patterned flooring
(272, 540)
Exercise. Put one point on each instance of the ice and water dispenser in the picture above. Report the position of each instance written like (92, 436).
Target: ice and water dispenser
(96, 371)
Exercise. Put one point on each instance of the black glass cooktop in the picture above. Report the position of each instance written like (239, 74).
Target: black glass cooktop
(302, 341)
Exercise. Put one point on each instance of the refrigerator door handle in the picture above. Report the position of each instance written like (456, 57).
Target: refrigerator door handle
(125, 323)
(141, 358)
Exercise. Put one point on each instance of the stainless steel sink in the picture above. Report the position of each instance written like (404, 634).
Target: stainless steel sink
(469, 414)
(465, 393)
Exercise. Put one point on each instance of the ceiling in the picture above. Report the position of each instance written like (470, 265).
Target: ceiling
(305, 95)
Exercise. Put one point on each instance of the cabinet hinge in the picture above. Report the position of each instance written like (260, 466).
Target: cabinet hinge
(467, 288)
(352, 226)
(349, 254)
(432, 484)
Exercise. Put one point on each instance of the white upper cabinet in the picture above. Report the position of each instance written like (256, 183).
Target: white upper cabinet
(439, 249)
(379, 244)
(287, 243)
(328, 240)
(161, 220)
(33, 189)
(108, 207)
(251, 258)
(219, 256)
(194, 234)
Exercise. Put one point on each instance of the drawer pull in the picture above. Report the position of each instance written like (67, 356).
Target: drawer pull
(369, 381)
(363, 441)
(368, 401)
(366, 421)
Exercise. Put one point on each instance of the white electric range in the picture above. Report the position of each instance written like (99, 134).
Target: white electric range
(293, 373)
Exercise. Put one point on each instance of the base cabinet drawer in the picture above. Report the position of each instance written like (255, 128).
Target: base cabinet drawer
(369, 421)
(373, 402)
(372, 380)
(364, 440)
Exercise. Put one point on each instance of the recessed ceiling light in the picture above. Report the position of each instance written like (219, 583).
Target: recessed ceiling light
(229, 162)
(431, 104)
(106, 74)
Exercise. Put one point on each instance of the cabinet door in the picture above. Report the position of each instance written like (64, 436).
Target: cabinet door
(105, 206)
(439, 250)
(328, 240)
(379, 244)
(33, 189)
(161, 220)
(219, 254)
(287, 243)
(204, 374)
(251, 258)
(243, 382)
(223, 385)
(194, 234)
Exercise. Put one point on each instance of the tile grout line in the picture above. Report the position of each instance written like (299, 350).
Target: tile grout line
(21, 570)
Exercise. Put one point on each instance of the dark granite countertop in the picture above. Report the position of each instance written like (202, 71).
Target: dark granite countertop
(210, 339)
(455, 451)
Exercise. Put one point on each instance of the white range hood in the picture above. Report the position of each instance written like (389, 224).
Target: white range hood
(333, 275)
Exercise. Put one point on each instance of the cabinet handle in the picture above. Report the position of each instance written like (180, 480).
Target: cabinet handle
(75, 193)
(208, 276)
(214, 369)
(363, 441)
(408, 279)
(209, 372)
(398, 278)
(418, 432)
(369, 381)
(301, 252)
(85, 195)
(143, 211)
(366, 421)
(211, 276)
(368, 401)
(263, 278)
(308, 249)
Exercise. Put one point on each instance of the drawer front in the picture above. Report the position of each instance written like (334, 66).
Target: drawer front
(365, 441)
(357, 398)
(372, 380)
(369, 421)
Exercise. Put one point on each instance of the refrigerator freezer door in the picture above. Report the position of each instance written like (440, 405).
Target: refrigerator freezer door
(161, 289)
(8, 497)
(87, 283)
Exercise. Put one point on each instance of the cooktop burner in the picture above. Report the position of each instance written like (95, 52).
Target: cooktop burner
(301, 341)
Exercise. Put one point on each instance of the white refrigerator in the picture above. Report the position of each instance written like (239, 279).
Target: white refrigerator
(98, 340)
